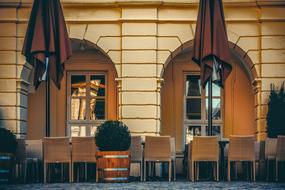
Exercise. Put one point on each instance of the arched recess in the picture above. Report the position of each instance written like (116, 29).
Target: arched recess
(237, 105)
(87, 60)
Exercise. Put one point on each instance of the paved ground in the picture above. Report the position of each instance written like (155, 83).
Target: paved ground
(148, 185)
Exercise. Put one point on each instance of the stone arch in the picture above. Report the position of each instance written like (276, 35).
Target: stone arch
(236, 51)
(87, 58)
(178, 64)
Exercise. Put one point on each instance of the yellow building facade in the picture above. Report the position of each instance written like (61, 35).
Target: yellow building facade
(142, 52)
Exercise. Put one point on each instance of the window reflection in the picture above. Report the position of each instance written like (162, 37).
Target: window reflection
(97, 85)
(193, 85)
(78, 109)
(78, 85)
(216, 108)
(216, 90)
(193, 108)
(216, 130)
(97, 109)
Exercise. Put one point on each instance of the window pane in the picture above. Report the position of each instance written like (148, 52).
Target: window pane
(193, 85)
(97, 109)
(78, 109)
(216, 108)
(97, 85)
(216, 90)
(79, 131)
(192, 131)
(78, 85)
(216, 130)
(193, 108)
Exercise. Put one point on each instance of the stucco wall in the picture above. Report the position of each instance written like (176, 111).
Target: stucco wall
(139, 37)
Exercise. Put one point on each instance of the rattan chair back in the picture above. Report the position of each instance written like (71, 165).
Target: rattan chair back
(205, 148)
(56, 149)
(172, 147)
(136, 149)
(157, 148)
(280, 152)
(83, 149)
(270, 148)
(241, 148)
(20, 154)
(34, 149)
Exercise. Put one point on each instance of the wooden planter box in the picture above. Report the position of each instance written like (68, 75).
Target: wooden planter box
(113, 166)
(6, 166)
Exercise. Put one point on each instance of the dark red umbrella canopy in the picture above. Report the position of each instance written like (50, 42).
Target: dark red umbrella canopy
(47, 37)
(211, 43)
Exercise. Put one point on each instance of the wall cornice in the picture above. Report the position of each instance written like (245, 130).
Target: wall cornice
(155, 3)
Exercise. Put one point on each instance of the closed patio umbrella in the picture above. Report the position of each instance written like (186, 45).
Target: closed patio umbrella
(211, 50)
(47, 46)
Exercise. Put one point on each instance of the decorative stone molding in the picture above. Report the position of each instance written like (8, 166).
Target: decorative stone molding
(159, 82)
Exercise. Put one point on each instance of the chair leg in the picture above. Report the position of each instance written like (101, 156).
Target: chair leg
(218, 170)
(141, 170)
(70, 172)
(45, 172)
(97, 174)
(25, 170)
(85, 167)
(169, 170)
(276, 170)
(229, 170)
(72, 176)
(192, 171)
(254, 178)
(145, 172)
(174, 170)
(197, 173)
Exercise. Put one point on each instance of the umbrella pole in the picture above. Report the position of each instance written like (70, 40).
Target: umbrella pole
(210, 107)
(47, 99)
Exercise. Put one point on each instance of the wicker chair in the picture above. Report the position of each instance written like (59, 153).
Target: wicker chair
(270, 153)
(241, 148)
(56, 150)
(137, 153)
(83, 151)
(34, 155)
(204, 149)
(157, 149)
(173, 156)
(280, 152)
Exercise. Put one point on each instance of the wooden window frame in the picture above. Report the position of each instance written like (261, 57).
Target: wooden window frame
(88, 123)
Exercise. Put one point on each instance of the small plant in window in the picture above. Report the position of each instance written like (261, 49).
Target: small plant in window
(276, 112)
(113, 136)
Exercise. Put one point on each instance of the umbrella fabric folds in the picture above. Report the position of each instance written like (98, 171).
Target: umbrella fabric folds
(211, 50)
(47, 37)
(47, 46)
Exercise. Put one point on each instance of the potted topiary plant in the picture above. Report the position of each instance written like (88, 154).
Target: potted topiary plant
(276, 112)
(8, 146)
(113, 140)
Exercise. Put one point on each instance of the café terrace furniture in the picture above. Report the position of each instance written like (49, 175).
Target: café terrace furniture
(34, 157)
(204, 149)
(56, 150)
(157, 149)
(280, 153)
(83, 151)
(20, 158)
(241, 148)
(137, 153)
(173, 156)
(270, 153)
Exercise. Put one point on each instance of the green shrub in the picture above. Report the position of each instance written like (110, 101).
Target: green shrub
(8, 143)
(276, 112)
(113, 136)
